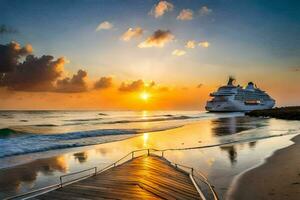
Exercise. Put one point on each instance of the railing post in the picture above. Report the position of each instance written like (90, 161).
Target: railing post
(60, 179)
(162, 153)
(148, 152)
(176, 166)
(192, 171)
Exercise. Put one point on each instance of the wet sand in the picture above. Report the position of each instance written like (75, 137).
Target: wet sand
(277, 179)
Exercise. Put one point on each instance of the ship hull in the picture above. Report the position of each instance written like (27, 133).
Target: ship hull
(236, 106)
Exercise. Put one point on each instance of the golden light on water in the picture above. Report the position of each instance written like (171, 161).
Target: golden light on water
(145, 139)
(145, 114)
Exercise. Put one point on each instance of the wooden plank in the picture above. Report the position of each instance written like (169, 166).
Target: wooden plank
(146, 177)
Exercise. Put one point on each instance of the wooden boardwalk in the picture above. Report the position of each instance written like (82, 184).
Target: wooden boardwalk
(146, 177)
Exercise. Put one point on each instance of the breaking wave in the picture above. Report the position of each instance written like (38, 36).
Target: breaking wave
(31, 143)
(158, 119)
(9, 132)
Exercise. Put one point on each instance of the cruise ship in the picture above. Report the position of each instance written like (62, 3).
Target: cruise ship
(231, 98)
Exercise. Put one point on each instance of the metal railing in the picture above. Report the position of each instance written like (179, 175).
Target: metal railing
(194, 174)
(94, 171)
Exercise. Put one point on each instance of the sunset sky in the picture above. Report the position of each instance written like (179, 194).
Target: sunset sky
(144, 54)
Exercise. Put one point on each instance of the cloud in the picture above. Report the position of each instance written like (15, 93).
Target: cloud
(10, 54)
(204, 44)
(72, 85)
(205, 11)
(161, 8)
(199, 85)
(135, 86)
(185, 15)
(150, 85)
(103, 83)
(132, 33)
(191, 44)
(34, 74)
(158, 39)
(178, 52)
(132, 87)
(104, 26)
(6, 30)
(21, 71)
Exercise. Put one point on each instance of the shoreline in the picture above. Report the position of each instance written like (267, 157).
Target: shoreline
(278, 177)
(55, 152)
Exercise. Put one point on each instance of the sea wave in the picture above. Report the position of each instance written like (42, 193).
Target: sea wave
(93, 123)
(31, 143)
(75, 129)
(182, 117)
(9, 132)
(158, 118)
(103, 114)
(83, 120)
(45, 125)
(154, 118)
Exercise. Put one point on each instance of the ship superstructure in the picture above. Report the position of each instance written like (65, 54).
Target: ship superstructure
(231, 98)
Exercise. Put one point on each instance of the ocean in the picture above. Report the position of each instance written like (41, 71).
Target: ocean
(36, 147)
(23, 132)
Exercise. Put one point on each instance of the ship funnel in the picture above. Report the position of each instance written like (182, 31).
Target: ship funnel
(250, 86)
(230, 80)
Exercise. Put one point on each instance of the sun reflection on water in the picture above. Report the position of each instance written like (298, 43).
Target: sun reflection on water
(145, 114)
(145, 139)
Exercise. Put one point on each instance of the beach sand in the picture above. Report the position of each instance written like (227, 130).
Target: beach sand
(277, 179)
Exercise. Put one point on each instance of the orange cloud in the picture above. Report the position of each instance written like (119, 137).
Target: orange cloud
(185, 15)
(161, 8)
(199, 85)
(131, 87)
(158, 39)
(75, 84)
(132, 33)
(103, 83)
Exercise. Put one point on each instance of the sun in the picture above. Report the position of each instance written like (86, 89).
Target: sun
(145, 96)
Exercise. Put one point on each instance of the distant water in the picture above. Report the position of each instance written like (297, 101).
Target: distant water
(23, 132)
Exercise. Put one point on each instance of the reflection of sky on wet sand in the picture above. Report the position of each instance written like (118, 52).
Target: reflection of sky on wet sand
(220, 164)
(81, 157)
(22, 177)
(233, 125)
